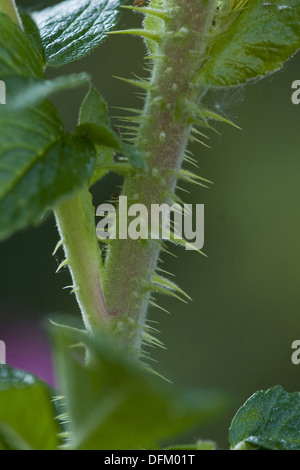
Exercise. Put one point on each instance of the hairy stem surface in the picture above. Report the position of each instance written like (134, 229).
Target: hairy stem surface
(76, 225)
(162, 137)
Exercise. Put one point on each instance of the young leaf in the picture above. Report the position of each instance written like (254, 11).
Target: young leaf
(102, 136)
(94, 112)
(94, 124)
(114, 404)
(27, 412)
(94, 109)
(258, 40)
(73, 28)
(268, 420)
(38, 165)
(17, 55)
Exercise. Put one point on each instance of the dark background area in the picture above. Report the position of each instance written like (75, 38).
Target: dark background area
(237, 333)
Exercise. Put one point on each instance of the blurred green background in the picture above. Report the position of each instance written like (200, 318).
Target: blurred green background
(237, 333)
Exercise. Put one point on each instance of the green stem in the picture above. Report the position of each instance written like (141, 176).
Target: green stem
(76, 225)
(162, 137)
(9, 8)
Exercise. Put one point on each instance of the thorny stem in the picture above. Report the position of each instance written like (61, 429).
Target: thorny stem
(162, 137)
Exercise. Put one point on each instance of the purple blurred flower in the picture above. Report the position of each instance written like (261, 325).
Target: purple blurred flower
(27, 347)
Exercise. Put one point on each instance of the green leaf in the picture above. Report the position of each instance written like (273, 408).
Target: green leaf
(10, 439)
(200, 445)
(268, 420)
(102, 136)
(114, 404)
(253, 41)
(39, 165)
(104, 164)
(94, 112)
(94, 109)
(27, 412)
(73, 28)
(26, 92)
(94, 124)
(32, 32)
(17, 55)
